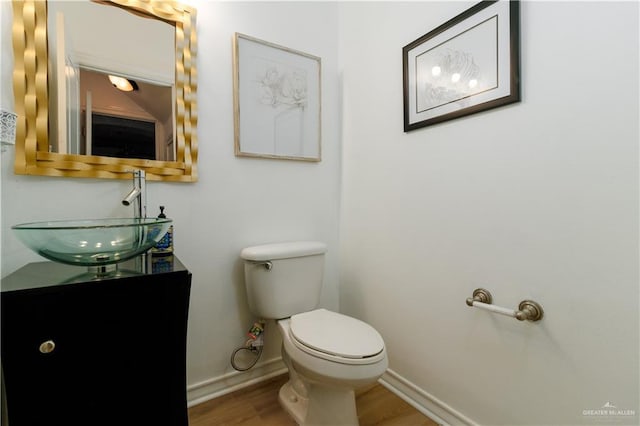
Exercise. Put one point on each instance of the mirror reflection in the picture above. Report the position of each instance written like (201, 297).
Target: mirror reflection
(113, 82)
(122, 117)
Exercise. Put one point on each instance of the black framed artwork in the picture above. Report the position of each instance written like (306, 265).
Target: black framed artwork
(469, 64)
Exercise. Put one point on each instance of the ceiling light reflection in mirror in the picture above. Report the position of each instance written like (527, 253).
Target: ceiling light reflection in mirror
(125, 119)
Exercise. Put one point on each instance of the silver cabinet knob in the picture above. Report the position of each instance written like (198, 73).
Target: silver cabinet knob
(47, 347)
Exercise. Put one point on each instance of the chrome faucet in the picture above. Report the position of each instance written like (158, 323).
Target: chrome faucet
(138, 194)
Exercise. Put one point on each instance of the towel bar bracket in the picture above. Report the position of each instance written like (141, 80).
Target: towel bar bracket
(480, 295)
(529, 310)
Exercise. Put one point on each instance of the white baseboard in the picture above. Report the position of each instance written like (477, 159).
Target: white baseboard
(198, 393)
(422, 401)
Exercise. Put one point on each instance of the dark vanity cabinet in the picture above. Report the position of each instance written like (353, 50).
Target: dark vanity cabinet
(77, 350)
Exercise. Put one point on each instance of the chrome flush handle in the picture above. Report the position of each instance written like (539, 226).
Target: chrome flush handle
(267, 264)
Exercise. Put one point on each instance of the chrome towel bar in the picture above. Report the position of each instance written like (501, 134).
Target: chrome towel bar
(527, 309)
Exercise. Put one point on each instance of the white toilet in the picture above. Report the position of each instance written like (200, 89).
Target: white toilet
(328, 354)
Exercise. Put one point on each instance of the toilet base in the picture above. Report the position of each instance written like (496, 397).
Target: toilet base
(323, 406)
(293, 403)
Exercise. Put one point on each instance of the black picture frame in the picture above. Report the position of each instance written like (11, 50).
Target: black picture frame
(469, 64)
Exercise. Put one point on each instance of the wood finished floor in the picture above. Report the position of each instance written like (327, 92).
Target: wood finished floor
(258, 405)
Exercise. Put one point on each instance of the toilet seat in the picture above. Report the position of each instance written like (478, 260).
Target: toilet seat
(336, 337)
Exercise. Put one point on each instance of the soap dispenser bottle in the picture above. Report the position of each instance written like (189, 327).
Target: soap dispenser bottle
(164, 247)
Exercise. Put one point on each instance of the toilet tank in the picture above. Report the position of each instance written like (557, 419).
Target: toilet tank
(283, 279)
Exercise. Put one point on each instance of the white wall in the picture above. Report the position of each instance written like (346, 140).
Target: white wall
(6, 69)
(534, 200)
(236, 202)
(6, 63)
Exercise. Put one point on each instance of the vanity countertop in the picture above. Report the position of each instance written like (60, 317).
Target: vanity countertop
(40, 275)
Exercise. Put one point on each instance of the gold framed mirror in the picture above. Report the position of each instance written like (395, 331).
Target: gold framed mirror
(31, 79)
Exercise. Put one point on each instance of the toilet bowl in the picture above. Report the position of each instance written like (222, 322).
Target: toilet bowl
(328, 354)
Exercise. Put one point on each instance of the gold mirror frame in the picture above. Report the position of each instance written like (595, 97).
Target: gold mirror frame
(30, 85)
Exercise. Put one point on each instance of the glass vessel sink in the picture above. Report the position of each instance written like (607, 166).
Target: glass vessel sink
(94, 242)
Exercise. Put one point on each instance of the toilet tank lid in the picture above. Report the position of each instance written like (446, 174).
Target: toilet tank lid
(283, 250)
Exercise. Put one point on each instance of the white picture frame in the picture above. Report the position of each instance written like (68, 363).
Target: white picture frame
(277, 101)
